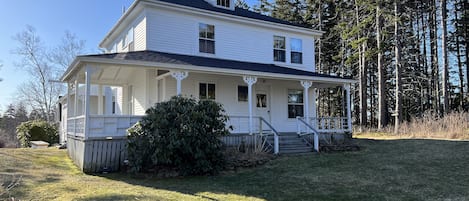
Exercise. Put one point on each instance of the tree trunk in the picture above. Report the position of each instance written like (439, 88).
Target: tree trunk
(444, 48)
(397, 47)
(381, 74)
(460, 70)
(434, 57)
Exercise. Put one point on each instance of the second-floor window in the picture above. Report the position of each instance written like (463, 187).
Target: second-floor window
(224, 3)
(206, 38)
(279, 48)
(296, 51)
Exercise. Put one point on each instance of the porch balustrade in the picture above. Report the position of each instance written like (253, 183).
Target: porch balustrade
(326, 124)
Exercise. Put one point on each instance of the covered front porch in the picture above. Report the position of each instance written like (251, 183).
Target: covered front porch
(106, 96)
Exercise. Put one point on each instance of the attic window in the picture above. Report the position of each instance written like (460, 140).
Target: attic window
(224, 3)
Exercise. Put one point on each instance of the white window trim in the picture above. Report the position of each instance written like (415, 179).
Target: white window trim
(207, 83)
(237, 93)
(285, 49)
(288, 103)
(301, 51)
(209, 39)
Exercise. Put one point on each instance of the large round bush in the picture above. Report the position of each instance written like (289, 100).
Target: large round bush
(37, 130)
(181, 133)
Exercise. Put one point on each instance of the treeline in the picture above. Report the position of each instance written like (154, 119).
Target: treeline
(410, 57)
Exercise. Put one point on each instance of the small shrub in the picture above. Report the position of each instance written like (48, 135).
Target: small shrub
(37, 130)
(181, 133)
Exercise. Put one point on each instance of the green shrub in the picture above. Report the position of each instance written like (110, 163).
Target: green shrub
(37, 130)
(181, 133)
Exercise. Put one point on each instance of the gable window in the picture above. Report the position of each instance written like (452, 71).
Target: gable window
(279, 48)
(295, 103)
(206, 91)
(128, 38)
(242, 93)
(296, 47)
(206, 38)
(224, 3)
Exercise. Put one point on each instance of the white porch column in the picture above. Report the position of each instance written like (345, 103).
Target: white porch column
(306, 85)
(314, 110)
(179, 76)
(77, 94)
(108, 100)
(88, 72)
(250, 80)
(349, 109)
(100, 100)
(69, 93)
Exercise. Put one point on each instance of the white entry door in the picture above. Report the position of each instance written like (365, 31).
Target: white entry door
(262, 102)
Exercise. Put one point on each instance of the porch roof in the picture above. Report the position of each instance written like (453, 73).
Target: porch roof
(199, 61)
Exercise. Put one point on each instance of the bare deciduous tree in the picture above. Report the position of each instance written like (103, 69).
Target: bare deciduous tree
(42, 66)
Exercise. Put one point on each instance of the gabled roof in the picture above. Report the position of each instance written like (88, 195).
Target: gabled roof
(198, 61)
(201, 4)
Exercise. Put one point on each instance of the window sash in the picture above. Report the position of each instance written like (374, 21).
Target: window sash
(242, 93)
(297, 57)
(207, 91)
(295, 103)
(206, 38)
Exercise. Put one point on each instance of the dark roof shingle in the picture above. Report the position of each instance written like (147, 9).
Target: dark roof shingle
(169, 58)
(201, 4)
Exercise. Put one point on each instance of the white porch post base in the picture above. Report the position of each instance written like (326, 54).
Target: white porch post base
(179, 76)
(250, 80)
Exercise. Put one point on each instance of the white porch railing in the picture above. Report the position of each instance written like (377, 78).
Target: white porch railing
(110, 125)
(326, 124)
(240, 124)
(76, 126)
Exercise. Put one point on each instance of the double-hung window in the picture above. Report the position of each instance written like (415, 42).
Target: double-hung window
(279, 48)
(224, 3)
(296, 47)
(206, 38)
(206, 91)
(295, 103)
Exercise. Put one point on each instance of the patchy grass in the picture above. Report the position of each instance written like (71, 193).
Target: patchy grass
(384, 170)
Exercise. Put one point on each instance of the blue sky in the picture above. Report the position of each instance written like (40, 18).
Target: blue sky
(90, 20)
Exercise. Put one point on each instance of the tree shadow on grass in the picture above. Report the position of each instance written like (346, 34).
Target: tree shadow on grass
(383, 170)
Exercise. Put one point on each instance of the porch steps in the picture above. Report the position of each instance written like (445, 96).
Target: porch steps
(290, 143)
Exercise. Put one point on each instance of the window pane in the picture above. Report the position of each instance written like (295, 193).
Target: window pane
(202, 30)
(210, 47)
(210, 32)
(211, 91)
(279, 55)
(279, 42)
(297, 57)
(295, 111)
(296, 45)
(295, 96)
(202, 91)
(242, 93)
(261, 100)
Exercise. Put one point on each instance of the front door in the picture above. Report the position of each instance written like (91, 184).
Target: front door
(263, 102)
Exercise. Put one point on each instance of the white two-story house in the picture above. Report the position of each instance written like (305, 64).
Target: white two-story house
(260, 68)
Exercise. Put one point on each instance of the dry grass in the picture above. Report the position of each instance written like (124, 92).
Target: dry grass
(452, 126)
(416, 169)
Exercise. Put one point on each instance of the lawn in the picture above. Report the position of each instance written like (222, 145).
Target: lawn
(399, 169)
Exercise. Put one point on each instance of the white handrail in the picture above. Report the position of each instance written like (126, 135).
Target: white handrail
(314, 131)
(274, 132)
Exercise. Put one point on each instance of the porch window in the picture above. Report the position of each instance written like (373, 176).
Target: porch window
(295, 103)
(224, 3)
(206, 38)
(296, 51)
(242, 93)
(206, 91)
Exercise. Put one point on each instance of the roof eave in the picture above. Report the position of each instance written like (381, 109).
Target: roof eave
(92, 60)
